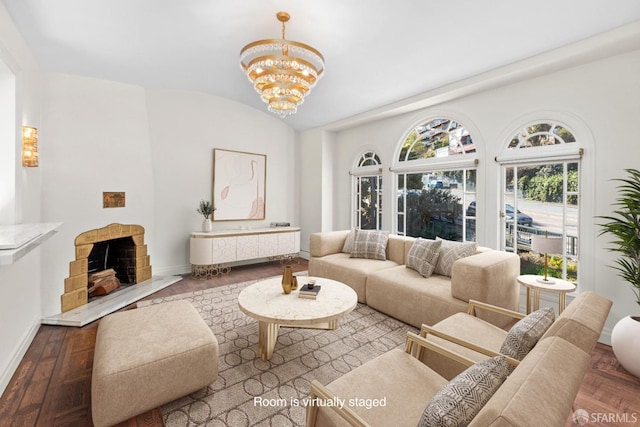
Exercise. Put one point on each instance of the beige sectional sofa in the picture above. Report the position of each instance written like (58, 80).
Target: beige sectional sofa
(392, 288)
(539, 392)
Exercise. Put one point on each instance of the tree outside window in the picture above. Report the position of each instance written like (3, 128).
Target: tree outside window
(541, 195)
(368, 192)
(432, 200)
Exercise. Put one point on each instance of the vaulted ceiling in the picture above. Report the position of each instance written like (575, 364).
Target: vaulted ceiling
(377, 52)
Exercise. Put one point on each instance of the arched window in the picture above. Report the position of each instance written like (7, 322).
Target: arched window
(540, 193)
(540, 135)
(436, 175)
(437, 138)
(367, 192)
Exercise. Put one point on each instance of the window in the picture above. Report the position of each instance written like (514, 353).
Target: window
(436, 175)
(540, 194)
(368, 192)
(437, 138)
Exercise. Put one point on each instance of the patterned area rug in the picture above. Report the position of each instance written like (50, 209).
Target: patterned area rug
(253, 392)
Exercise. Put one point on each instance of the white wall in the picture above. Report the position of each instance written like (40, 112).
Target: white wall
(8, 145)
(185, 127)
(157, 147)
(19, 282)
(597, 100)
(97, 139)
(96, 136)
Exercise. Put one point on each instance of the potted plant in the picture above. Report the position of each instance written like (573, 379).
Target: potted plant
(206, 209)
(624, 225)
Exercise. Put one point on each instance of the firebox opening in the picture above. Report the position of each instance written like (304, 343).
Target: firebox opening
(118, 254)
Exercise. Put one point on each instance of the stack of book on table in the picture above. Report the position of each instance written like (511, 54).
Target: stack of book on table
(310, 293)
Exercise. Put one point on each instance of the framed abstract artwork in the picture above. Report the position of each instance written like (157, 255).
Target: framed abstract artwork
(238, 185)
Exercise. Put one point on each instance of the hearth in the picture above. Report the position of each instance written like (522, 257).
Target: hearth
(117, 246)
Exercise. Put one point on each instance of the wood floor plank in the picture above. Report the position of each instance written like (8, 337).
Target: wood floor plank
(27, 388)
(52, 385)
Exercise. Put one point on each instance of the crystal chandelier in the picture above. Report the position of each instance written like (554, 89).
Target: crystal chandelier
(282, 71)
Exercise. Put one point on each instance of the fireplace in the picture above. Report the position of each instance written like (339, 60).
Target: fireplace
(117, 246)
(118, 254)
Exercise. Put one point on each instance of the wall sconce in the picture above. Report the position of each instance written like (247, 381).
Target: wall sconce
(29, 146)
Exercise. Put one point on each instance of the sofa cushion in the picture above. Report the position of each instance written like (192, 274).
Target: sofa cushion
(423, 256)
(461, 399)
(524, 335)
(327, 243)
(404, 294)
(348, 243)
(541, 390)
(350, 271)
(400, 379)
(488, 277)
(582, 321)
(467, 328)
(370, 244)
(450, 252)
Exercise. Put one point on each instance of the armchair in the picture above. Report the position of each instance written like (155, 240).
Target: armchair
(580, 323)
(392, 389)
(467, 335)
(540, 390)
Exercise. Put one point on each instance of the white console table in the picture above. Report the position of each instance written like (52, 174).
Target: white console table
(212, 253)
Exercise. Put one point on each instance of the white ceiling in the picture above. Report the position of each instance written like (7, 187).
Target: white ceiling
(377, 52)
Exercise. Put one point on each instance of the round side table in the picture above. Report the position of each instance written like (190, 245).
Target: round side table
(534, 287)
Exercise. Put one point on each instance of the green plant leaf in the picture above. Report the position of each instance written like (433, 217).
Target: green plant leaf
(624, 226)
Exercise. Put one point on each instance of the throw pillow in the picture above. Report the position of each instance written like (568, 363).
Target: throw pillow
(463, 397)
(524, 335)
(348, 243)
(371, 244)
(423, 256)
(450, 252)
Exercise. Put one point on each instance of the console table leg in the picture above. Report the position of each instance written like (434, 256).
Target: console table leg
(267, 337)
(204, 272)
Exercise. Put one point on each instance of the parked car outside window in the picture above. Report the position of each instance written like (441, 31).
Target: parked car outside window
(523, 218)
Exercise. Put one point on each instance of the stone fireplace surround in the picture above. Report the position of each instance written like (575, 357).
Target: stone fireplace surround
(76, 285)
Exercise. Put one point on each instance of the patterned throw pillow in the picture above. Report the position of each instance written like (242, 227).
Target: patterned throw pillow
(524, 335)
(348, 243)
(371, 244)
(450, 252)
(463, 397)
(423, 256)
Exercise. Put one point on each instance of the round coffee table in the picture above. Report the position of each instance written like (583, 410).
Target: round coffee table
(266, 302)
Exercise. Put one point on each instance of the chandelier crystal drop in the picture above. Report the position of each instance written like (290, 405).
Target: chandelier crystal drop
(282, 71)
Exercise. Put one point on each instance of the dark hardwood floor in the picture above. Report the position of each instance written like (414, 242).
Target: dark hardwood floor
(52, 385)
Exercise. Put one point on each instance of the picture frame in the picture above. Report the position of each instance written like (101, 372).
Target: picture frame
(239, 185)
(113, 199)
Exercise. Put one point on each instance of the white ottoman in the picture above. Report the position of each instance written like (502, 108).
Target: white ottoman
(147, 357)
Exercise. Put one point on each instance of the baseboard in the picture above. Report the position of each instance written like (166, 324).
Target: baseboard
(174, 270)
(605, 337)
(11, 368)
